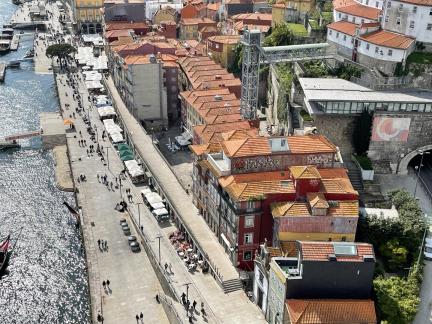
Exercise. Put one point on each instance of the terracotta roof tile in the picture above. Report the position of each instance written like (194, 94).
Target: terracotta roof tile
(333, 173)
(225, 39)
(342, 3)
(125, 25)
(291, 209)
(331, 311)
(419, 2)
(337, 186)
(317, 200)
(349, 208)
(359, 10)
(261, 146)
(388, 39)
(305, 172)
(343, 27)
(319, 251)
(213, 6)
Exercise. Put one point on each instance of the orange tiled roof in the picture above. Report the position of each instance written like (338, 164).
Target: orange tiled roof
(343, 27)
(213, 132)
(119, 33)
(223, 118)
(331, 311)
(348, 208)
(419, 2)
(240, 25)
(319, 251)
(291, 209)
(200, 149)
(242, 187)
(239, 134)
(305, 172)
(388, 39)
(341, 186)
(359, 10)
(317, 200)
(225, 39)
(253, 16)
(261, 146)
(214, 6)
(333, 173)
(125, 25)
(342, 3)
(196, 21)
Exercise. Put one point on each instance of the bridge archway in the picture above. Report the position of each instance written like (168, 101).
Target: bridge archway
(403, 165)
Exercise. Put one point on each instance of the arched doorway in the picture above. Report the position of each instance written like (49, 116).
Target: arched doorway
(84, 29)
(403, 164)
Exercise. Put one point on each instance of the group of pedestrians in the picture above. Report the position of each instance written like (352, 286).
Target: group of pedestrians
(139, 317)
(106, 286)
(103, 245)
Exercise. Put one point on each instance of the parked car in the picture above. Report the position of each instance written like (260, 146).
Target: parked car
(126, 229)
(135, 247)
(123, 221)
(132, 239)
(428, 249)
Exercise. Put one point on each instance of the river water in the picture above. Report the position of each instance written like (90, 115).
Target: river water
(47, 281)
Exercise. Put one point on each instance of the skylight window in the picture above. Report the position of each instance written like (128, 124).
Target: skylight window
(345, 249)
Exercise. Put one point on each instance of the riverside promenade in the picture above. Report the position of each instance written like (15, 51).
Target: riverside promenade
(133, 283)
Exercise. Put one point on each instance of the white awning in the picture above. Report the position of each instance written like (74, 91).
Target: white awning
(160, 212)
(157, 205)
(145, 191)
(133, 168)
(225, 240)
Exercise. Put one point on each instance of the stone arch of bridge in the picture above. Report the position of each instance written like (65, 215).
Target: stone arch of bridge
(403, 165)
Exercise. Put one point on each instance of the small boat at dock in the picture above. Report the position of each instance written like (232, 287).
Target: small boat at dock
(4, 45)
(29, 54)
(14, 64)
(8, 144)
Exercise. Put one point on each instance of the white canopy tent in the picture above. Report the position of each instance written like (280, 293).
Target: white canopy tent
(133, 168)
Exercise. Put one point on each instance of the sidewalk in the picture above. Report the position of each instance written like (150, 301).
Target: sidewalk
(234, 307)
(133, 282)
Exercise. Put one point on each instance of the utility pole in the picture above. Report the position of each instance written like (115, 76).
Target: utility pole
(422, 243)
(159, 237)
(187, 293)
(422, 153)
(107, 157)
(139, 219)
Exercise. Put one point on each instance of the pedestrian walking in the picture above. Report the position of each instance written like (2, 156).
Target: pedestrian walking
(137, 317)
(99, 242)
(141, 316)
(106, 245)
(170, 268)
(98, 177)
(157, 298)
(194, 305)
(107, 283)
(103, 284)
(87, 152)
(202, 308)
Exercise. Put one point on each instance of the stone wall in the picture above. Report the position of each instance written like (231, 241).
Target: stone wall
(384, 66)
(387, 155)
(338, 129)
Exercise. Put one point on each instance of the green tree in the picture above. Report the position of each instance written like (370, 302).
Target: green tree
(362, 132)
(398, 298)
(61, 51)
(395, 253)
(280, 35)
(236, 67)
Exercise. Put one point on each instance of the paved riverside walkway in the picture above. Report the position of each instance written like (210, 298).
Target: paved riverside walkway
(133, 282)
(234, 307)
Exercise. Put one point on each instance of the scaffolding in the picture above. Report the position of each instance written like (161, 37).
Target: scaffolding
(254, 55)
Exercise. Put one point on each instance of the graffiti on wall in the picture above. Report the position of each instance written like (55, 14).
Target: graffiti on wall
(389, 129)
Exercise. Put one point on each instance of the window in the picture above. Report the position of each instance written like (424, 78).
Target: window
(344, 38)
(247, 255)
(390, 52)
(430, 12)
(367, 2)
(414, 9)
(398, 21)
(362, 21)
(337, 35)
(386, 18)
(330, 31)
(249, 221)
(400, 7)
(261, 277)
(340, 15)
(250, 204)
(248, 238)
(367, 46)
(377, 4)
(217, 45)
(429, 27)
(353, 19)
(411, 25)
(376, 49)
(389, 4)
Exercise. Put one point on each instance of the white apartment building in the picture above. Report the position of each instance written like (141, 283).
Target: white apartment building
(357, 13)
(409, 17)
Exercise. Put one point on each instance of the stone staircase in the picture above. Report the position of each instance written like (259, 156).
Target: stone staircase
(231, 285)
(354, 174)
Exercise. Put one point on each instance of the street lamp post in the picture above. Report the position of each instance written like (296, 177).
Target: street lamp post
(152, 130)
(139, 218)
(187, 294)
(422, 244)
(422, 153)
(159, 237)
(108, 158)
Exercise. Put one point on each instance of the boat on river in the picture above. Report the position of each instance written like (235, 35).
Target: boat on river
(8, 144)
(5, 254)
(14, 64)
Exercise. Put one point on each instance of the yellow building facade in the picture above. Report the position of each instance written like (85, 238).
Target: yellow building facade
(88, 15)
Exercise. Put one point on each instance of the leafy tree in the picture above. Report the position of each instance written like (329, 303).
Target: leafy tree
(346, 71)
(62, 51)
(398, 298)
(315, 69)
(362, 132)
(395, 253)
(280, 35)
(236, 67)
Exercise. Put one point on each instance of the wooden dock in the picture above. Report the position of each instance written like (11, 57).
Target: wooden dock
(15, 43)
(2, 71)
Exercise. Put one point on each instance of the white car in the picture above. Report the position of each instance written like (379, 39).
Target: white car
(428, 248)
